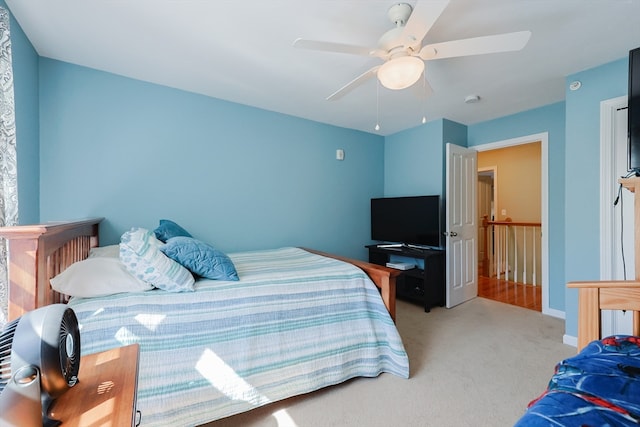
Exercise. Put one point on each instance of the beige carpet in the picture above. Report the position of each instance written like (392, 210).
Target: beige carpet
(478, 364)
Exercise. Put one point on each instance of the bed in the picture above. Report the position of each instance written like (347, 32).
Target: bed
(296, 321)
(600, 386)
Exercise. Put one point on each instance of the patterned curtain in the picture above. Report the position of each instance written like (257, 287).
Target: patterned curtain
(8, 163)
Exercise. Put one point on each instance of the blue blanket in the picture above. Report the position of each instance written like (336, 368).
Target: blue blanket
(598, 387)
(294, 322)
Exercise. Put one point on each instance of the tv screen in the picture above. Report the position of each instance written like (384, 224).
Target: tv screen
(408, 220)
(633, 111)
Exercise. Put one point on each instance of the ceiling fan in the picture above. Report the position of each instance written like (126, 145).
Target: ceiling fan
(402, 51)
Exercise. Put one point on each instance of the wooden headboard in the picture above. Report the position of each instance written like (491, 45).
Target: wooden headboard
(36, 253)
(593, 297)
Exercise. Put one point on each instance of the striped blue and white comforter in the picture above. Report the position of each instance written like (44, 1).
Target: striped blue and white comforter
(294, 323)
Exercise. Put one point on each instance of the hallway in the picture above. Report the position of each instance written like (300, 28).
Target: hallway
(510, 212)
(521, 295)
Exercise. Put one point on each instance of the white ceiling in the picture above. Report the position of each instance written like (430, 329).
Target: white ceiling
(241, 51)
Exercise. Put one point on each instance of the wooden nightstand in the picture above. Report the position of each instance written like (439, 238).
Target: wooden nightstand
(105, 394)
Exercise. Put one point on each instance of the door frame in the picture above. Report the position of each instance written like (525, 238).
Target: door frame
(494, 198)
(613, 321)
(494, 173)
(608, 110)
(543, 137)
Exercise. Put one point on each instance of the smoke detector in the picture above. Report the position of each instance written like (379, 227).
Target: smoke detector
(472, 99)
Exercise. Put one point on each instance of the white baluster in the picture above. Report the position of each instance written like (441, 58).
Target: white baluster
(499, 252)
(535, 265)
(524, 256)
(515, 254)
(506, 252)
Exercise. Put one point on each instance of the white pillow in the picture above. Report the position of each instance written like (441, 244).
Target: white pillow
(112, 251)
(97, 276)
(140, 253)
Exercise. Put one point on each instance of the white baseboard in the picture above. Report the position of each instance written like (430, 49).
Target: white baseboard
(554, 313)
(570, 340)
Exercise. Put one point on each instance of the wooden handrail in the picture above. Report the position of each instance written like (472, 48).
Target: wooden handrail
(486, 222)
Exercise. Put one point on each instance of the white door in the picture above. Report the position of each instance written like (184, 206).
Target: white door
(461, 225)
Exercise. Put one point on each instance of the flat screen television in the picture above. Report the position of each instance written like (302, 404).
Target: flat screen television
(413, 220)
(633, 112)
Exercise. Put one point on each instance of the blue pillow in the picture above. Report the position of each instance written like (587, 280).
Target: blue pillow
(168, 229)
(200, 258)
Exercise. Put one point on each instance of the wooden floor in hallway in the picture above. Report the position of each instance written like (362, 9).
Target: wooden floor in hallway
(519, 294)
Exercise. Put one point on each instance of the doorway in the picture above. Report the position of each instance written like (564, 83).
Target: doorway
(487, 195)
(543, 138)
(509, 236)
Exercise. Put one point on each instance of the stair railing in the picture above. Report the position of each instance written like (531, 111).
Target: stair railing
(512, 250)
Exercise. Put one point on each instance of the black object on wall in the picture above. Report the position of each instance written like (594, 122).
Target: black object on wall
(633, 112)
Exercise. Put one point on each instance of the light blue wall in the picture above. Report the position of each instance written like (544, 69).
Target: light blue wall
(551, 119)
(454, 133)
(235, 176)
(245, 178)
(582, 239)
(413, 161)
(25, 80)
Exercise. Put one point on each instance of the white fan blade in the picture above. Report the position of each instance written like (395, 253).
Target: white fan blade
(476, 46)
(423, 16)
(353, 84)
(334, 47)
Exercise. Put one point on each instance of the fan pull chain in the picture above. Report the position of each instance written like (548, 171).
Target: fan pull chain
(424, 101)
(377, 127)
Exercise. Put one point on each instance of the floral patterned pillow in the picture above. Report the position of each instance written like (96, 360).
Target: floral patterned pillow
(140, 253)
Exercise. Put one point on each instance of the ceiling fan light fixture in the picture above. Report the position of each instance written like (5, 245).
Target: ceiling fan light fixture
(400, 73)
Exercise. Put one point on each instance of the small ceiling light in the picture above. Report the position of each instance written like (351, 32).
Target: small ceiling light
(400, 73)
(575, 85)
(472, 99)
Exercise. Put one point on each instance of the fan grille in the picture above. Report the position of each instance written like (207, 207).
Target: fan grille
(69, 347)
(6, 342)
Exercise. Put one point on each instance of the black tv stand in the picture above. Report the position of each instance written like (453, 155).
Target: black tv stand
(425, 286)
